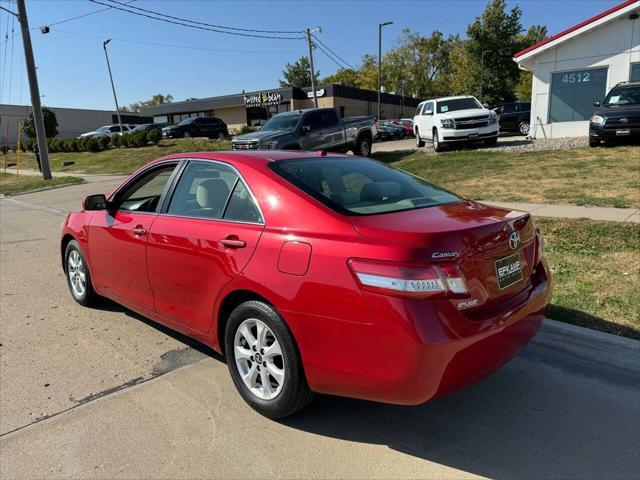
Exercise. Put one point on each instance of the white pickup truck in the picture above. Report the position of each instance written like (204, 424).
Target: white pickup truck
(454, 119)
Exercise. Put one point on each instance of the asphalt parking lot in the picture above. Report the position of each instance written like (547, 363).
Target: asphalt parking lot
(104, 393)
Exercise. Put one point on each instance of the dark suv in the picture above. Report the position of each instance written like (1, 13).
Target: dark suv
(514, 117)
(211, 127)
(618, 117)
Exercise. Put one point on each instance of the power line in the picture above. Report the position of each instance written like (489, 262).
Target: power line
(206, 24)
(326, 54)
(170, 45)
(84, 15)
(11, 59)
(174, 22)
(334, 53)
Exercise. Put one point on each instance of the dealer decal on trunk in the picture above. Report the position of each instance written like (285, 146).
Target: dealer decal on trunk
(508, 270)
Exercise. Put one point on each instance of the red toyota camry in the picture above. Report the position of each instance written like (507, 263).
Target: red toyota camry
(315, 273)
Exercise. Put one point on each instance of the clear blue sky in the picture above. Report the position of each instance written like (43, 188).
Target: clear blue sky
(72, 70)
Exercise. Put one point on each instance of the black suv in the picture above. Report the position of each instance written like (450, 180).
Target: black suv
(514, 117)
(211, 127)
(618, 117)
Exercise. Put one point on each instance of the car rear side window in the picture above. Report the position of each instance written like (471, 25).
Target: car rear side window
(358, 186)
(214, 191)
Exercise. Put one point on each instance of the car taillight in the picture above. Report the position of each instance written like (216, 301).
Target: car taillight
(414, 280)
(539, 247)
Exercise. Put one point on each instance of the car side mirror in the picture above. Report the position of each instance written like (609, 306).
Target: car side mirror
(95, 202)
(305, 129)
(485, 105)
(596, 104)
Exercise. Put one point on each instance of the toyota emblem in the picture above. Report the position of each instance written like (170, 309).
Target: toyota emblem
(514, 240)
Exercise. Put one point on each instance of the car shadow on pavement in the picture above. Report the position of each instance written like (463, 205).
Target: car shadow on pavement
(525, 421)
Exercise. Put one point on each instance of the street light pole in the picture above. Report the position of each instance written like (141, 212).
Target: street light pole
(115, 98)
(380, 25)
(313, 74)
(482, 72)
(402, 98)
(38, 120)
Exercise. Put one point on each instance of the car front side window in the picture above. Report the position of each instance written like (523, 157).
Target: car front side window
(144, 194)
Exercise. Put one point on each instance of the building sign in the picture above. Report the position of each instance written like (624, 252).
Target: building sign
(262, 99)
(319, 93)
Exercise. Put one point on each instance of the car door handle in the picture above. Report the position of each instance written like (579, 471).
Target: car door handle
(139, 230)
(232, 241)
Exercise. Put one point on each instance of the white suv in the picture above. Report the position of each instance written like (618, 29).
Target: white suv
(454, 119)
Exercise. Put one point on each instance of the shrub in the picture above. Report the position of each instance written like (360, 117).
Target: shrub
(124, 139)
(67, 145)
(104, 142)
(92, 145)
(154, 136)
(116, 141)
(245, 129)
(4, 149)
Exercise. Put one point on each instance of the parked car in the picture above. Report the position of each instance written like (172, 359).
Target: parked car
(108, 130)
(311, 129)
(618, 117)
(315, 272)
(210, 127)
(388, 130)
(514, 117)
(449, 120)
(405, 123)
(146, 127)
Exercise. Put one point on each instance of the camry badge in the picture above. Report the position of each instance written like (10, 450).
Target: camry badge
(445, 255)
(514, 240)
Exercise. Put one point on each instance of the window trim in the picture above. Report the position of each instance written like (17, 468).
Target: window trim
(174, 183)
(132, 180)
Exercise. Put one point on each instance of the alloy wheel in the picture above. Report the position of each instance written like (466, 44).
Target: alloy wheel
(77, 274)
(259, 359)
(524, 128)
(365, 148)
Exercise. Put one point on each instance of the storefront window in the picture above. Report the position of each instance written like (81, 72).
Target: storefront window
(161, 119)
(573, 94)
(635, 72)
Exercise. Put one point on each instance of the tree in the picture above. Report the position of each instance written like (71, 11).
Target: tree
(497, 33)
(298, 74)
(344, 76)
(50, 124)
(157, 99)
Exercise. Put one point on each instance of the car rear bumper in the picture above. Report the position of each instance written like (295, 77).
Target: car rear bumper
(414, 350)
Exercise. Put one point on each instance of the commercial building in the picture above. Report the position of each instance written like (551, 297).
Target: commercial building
(254, 108)
(578, 66)
(71, 121)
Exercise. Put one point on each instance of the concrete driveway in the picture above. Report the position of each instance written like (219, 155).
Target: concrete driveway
(104, 393)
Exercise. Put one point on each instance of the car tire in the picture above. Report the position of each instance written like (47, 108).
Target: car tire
(260, 348)
(491, 142)
(438, 146)
(594, 143)
(78, 277)
(363, 147)
(186, 135)
(524, 128)
(419, 141)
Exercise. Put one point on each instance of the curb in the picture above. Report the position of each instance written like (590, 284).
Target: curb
(615, 340)
(44, 189)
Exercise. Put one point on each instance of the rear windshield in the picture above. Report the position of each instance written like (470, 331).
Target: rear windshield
(359, 186)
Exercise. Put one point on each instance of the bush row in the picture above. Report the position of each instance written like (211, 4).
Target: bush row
(88, 144)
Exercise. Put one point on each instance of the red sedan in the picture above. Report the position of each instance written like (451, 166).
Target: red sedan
(315, 273)
(407, 124)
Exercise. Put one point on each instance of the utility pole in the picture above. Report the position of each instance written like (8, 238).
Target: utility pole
(106, 55)
(41, 134)
(313, 74)
(380, 25)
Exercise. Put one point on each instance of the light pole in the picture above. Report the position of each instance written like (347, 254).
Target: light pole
(402, 98)
(106, 55)
(482, 72)
(313, 74)
(380, 25)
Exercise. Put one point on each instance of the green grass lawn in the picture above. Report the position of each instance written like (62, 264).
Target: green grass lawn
(603, 177)
(11, 183)
(595, 268)
(117, 160)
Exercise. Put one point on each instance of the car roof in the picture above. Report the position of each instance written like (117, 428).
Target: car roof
(453, 97)
(635, 83)
(250, 158)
